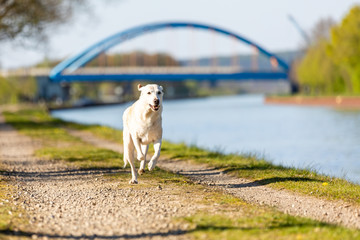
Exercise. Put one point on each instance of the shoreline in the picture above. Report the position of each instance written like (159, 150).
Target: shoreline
(101, 104)
(84, 106)
(343, 102)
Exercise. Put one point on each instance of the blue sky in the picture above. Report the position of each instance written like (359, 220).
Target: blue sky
(263, 21)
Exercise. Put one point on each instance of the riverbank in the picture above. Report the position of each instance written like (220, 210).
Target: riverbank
(86, 175)
(347, 102)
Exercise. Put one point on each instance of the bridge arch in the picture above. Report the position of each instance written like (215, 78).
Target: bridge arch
(93, 51)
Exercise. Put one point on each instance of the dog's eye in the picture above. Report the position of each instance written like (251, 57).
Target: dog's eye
(149, 93)
(159, 92)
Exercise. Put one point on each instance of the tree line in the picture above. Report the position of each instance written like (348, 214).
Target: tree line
(136, 58)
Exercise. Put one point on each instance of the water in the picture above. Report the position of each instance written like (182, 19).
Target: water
(319, 138)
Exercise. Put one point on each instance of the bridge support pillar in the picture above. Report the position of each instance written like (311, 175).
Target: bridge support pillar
(128, 89)
(51, 91)
(213, 83)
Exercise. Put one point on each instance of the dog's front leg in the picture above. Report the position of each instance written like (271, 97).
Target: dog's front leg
(129, 157)
(137, 144)
(144, 149)
(155, 157)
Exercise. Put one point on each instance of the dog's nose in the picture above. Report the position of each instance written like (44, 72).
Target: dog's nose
(156, 101)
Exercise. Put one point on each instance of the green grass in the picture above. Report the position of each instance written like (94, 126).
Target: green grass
(232, 218)
(39, 125)
(10, 215)
(5, 206)
(264, 225)
(83, 155)
(103, 132)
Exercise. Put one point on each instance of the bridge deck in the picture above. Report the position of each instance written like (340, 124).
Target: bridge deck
(152, 73)
(174, 76)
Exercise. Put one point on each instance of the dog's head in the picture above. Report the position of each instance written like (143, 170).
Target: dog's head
(152, 95)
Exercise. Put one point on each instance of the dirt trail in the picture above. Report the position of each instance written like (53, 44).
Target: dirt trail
(63, 202)
(295, 204)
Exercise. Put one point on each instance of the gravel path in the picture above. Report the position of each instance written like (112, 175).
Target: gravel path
(295, 204)
(69, 203)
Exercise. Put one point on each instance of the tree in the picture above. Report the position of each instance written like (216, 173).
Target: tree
(321, 30)
(318, 73)
(332, 65)
(8, 93)
(344, 48)
(30, 18)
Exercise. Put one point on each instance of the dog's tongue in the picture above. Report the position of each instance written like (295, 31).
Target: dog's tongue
(154, 107)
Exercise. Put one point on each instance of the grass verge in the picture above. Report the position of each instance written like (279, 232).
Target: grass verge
(267, 225)
(11, 216)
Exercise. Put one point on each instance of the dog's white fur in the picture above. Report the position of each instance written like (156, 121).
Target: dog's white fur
(142, 125)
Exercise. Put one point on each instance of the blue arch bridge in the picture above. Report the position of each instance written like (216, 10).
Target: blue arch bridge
(72, 69)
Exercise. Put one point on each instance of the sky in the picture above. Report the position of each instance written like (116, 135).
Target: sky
(266, 22)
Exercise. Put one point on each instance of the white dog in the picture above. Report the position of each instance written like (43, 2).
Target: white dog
(142, 126)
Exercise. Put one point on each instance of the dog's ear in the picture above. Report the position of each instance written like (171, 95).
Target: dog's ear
(139, 87)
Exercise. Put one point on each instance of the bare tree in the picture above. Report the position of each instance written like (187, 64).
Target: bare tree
(321, 30)
(29, 18)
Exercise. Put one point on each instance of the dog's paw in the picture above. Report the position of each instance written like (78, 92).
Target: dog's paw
(141, 171)
(151, 165)
(132, 181)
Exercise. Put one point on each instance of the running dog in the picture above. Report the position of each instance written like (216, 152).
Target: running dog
(142, 125)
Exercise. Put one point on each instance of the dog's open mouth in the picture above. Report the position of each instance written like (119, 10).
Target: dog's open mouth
(155, 108)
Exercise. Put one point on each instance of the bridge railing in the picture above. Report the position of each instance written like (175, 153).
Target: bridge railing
(142, 70)
(25, 72)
